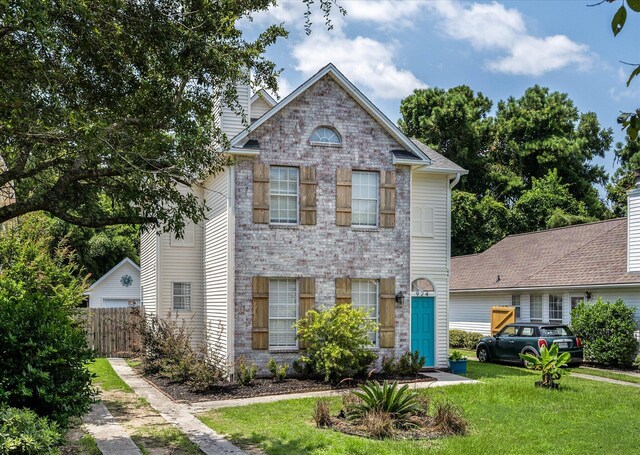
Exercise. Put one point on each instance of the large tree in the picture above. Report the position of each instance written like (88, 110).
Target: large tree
(542, 131)
(627, 155)
(117, 99)
(456, 123)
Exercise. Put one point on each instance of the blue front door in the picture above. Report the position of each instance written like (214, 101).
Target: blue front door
(423, 328)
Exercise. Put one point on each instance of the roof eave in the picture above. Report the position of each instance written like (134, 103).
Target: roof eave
(541, 288)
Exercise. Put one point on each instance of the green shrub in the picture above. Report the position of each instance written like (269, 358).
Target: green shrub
(636, 362)
(399, 402)
(337, 341)
(22, 432)
(279, 371)
(606, 330)
(461, 339)
(43, 348)
(409, 364)
(456, 356)
(245, 371)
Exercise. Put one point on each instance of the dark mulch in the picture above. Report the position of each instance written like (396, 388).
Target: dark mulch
(425, 429)
(266, 386)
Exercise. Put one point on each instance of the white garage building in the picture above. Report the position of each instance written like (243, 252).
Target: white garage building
(118, 288)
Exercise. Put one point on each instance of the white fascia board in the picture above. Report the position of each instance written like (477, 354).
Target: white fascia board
(239, 151)
(262, 93)
(441, 170)
(586, 287)
(348, 86)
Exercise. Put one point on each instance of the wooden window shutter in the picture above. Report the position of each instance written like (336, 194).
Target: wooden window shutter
(308, 195)
(307, 300)
(343, 197)
(260, 325)
(387, 199)
(387, 316)
(260, 193)
(343, 290)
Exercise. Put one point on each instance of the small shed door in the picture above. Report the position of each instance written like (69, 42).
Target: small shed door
(423, 328)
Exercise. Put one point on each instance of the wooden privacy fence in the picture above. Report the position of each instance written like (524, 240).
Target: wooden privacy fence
(501, 316)
(111, 331)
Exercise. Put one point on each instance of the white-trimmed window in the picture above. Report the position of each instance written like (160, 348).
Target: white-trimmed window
(365, 187)
(535, 307)
(283, 313)
(182, 296)
(364, 294)
(283, 203)
(188, 236)
(555, 308)
(325, 135)
(515, 303)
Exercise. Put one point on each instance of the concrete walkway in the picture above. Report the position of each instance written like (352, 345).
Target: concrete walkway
(601, 379)
(443, 379)
(110, 437)
(628, 373)
(177, 414)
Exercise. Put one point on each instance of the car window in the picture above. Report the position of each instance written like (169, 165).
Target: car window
(527, 332)
(561, 331)
(508, 332)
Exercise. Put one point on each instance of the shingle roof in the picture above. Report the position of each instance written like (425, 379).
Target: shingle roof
(438, 161)
(581, 255)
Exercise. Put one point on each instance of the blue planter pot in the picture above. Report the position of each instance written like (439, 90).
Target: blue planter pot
(458, 366)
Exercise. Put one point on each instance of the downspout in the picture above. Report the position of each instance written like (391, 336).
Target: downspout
(455, 181)
(452, 183)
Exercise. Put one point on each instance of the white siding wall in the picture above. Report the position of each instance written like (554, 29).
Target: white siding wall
(148, 271)
(217, 255)
(183, 264)
(472, 311)
(633, 220)
(259, 107)
(231, 122)
(631, 297)
(430, 255)
(111, 288)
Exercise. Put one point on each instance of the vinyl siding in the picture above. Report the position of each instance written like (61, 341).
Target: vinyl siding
(259, 107)
(472, 312)
(183, 264)
(148, 271)
(111, 288)
(429, 255)
(633, 220)
(631, 297)
(232, 123)
(216, 265)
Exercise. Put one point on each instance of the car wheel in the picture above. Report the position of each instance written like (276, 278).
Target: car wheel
(524, 362)
(483, 354)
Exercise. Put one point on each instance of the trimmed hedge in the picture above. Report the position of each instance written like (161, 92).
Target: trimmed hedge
(606, 330)
(461, 339)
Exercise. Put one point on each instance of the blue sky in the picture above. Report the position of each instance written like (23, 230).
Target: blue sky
(390, 47)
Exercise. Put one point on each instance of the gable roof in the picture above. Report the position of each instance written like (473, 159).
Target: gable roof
(110, 272)
(439, 161)
(356, 94)
(582, 255)
(264, 95)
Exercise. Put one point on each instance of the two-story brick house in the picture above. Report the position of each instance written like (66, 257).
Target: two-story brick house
(327, 201)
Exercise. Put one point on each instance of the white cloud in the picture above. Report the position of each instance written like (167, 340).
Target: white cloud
(384, 12)
(284, 87)
(366, 62)
(492, 26)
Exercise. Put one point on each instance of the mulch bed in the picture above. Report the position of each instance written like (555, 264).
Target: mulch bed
(266, 386)
(425, 431)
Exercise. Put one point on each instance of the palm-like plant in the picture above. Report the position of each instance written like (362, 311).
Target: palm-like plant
(549, 362)
(399, 402)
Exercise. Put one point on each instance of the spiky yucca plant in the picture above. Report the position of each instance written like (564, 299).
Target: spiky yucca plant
(399, 402)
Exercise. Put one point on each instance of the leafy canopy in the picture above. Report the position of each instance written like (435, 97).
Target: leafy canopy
(118, 99)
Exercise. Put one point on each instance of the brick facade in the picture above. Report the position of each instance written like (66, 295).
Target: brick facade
(324, 251)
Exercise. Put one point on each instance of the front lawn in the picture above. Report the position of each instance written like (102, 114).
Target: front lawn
(106, 377)
(506, 412)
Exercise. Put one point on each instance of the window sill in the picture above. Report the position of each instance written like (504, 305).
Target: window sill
(283, 350)
(365, 229)
(285, 226)
(324, 144)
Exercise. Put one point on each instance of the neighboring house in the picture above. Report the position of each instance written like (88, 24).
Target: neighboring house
(328, 201)
(547, 273)
(118, 288)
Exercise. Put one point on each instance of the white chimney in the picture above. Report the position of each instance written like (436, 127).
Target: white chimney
(633, 226)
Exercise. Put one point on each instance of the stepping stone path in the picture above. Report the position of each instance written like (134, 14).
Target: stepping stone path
(177, 414)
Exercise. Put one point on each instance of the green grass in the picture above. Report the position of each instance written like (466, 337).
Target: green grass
(87, 445)
(607, 374)
(506, 412)
(466, 352)
(106, 377)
